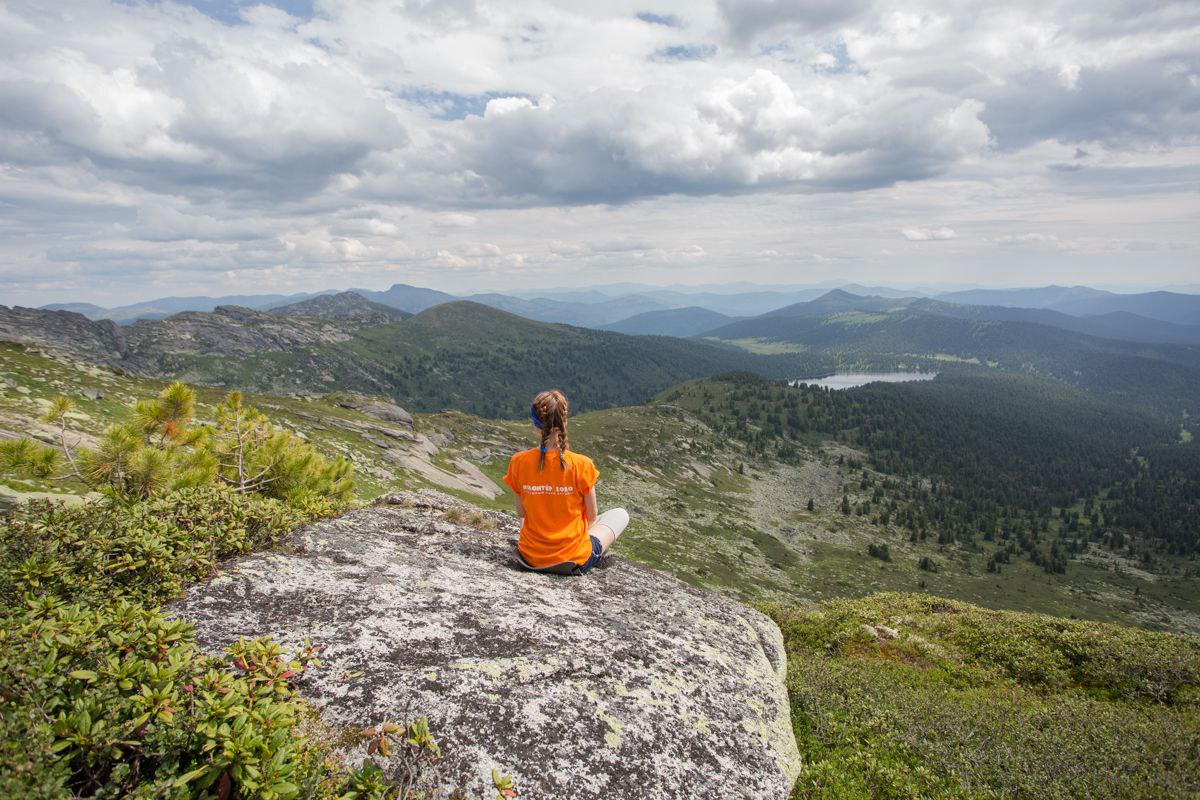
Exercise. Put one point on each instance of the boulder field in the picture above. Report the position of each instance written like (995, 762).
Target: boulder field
(624, 683)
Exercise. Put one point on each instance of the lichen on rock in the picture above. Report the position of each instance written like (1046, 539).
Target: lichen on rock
(622, 683)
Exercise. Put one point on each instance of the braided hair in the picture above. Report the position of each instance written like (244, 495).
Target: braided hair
(550, 410)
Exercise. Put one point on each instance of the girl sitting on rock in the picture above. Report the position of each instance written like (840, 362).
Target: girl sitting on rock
(556, 498)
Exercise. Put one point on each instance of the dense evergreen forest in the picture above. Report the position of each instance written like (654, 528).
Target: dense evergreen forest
(990, 461)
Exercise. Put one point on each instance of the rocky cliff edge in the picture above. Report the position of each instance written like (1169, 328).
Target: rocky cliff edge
(625, 683)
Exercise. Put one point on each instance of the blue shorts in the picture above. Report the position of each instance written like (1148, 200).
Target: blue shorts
(597, 554)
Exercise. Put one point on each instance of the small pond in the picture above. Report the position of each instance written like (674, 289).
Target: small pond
(848, 380)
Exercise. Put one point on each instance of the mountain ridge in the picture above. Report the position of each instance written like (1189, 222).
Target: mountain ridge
(1173, 307)
(344, 305)
(683, 322)
(441, 357)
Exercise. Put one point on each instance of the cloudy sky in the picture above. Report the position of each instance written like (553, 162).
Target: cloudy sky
(217, 147)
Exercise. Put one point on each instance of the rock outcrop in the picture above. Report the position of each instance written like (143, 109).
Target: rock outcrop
(375, 407)
(227, 331)
(70, 333)
(229, 346)
(624, 683)
(145, 346)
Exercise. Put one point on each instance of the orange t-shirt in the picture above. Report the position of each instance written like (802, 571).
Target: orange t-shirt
(555, 527)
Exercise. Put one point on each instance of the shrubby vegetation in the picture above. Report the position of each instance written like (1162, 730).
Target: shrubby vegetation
(161, 449)
(101, 695)
(899, 696)
(145, 552)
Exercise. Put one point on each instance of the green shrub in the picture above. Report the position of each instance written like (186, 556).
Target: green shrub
(146, 552)
(967, 702)
(103, 696)
(117, 702)
(253, 455)
(25, 455)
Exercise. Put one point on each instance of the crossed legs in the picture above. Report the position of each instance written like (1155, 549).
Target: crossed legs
(608, 526)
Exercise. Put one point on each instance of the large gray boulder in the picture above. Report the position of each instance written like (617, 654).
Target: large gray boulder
(375, 407)
(624, 683)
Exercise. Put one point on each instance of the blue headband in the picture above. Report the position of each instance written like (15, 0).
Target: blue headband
(537, 423)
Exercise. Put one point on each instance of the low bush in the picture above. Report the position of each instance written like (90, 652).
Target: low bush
(967, 702)
(117, 702)
(146, 552)
(102, 695)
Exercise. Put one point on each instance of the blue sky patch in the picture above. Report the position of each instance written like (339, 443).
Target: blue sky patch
(669, 20)
(448, 105)
(687, 52)
(842, 62)
(227, 11)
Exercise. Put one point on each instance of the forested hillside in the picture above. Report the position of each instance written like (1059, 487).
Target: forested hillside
(1017, 464)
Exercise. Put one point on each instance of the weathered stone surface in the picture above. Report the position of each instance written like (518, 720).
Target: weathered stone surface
(226, 331)
(168, 347)
(74, 334)
(624, 683)
(375, 407)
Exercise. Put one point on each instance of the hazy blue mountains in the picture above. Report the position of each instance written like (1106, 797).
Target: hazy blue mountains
(1181, 309)
(691, 321)
(883, 333)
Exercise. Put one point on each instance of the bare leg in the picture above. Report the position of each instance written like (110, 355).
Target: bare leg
(608, 526)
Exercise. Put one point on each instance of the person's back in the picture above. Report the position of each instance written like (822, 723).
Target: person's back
(556, 497)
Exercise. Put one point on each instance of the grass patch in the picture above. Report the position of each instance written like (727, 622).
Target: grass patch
(763, 347)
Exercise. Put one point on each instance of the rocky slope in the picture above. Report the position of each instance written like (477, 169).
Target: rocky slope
(622, 683)
(227, 332)
(74, 334)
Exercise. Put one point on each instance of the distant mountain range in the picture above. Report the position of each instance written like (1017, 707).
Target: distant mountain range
(450, 349)
(1134, 317)
(413, 299)
(1121, 325)
(1181, 309)
(164, 307)
(882, 333)
(690, 321)
(346, 305)
(460, 355)
(585, 315)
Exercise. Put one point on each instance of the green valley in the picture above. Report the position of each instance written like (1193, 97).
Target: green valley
(719, 483)
(906, 537)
